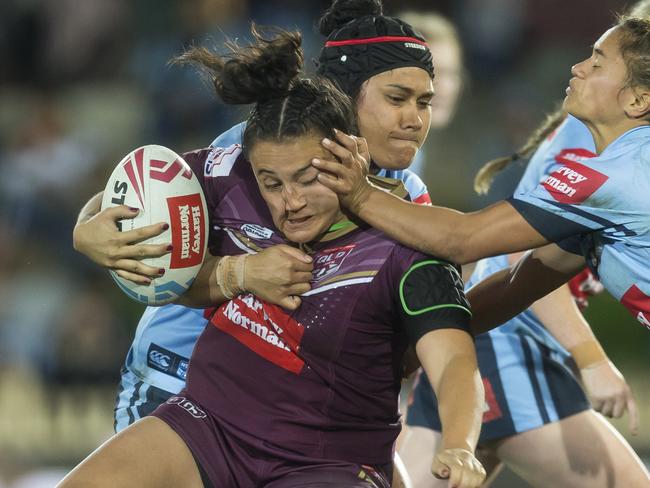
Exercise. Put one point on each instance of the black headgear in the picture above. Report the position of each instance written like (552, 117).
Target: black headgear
(370, 45)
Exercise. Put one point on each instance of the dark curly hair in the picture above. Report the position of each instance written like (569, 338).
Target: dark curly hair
(268, 74)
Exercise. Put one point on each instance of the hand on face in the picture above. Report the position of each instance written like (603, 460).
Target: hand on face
(100, 240)
(346, 175)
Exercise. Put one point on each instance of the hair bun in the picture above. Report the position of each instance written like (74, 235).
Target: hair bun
(264, 70)
(343, 11)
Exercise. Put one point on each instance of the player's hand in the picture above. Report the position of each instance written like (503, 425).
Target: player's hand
(460, 467)
(279, 274)
(100, 239)
(584, 285)
(346, 175)
(609, 392)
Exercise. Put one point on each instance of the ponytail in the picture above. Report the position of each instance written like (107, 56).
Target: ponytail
(485, 175)
(263, 70)
(268, 74)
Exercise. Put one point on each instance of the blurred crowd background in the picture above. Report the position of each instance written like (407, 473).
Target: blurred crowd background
(82, 83)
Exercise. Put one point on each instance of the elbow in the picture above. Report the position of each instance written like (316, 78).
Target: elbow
(461, 249)
(459, 255)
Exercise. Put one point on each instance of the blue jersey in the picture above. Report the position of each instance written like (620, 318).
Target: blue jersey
(415, 187)
(524, 368)
(571, 137)
(598, 206)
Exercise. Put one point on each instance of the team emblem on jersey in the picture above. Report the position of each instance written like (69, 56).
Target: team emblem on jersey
(221, 160)
(181, 370)
(638, 303)
(264, 328)
(574, 182)
(328, 262)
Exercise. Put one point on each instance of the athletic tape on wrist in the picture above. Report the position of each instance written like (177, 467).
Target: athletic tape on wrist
(230, 274)
(588, 354)
(240, 271)
(221, 275)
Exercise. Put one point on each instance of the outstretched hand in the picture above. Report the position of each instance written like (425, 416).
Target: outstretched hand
(100, 239)
(609, 393)
(346, 174)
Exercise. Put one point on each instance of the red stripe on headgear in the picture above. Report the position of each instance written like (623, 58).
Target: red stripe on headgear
(372, 40)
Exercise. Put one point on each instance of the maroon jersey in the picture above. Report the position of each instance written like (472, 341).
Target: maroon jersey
(322, 380)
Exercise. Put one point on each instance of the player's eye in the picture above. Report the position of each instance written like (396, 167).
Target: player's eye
(310, 181)
(272, 186)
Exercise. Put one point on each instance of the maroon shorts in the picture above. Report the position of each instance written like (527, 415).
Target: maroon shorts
(230, 458)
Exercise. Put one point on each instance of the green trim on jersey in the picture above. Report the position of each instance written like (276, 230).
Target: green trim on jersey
(433, 307)
(340, 225)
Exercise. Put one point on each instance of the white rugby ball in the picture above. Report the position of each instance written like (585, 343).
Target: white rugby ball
(163, 187)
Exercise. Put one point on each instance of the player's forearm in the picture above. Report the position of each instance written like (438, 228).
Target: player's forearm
(428, 229)
(91, 208)
(449, 360)
(205, 291)
(460, 402)
(507, 293)
(446, 233)
(562, 318)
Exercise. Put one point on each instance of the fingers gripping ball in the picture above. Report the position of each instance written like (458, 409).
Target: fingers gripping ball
(159, 183)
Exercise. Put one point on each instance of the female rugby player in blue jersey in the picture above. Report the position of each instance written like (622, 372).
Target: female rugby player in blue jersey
(531, 392)
(595, 210)
(601, 201)
(527, 400)
(287, 399)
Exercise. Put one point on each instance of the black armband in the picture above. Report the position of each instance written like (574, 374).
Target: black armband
(432, 297)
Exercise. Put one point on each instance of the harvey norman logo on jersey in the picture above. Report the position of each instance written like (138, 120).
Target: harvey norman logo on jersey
(574, 182)
(264, 328)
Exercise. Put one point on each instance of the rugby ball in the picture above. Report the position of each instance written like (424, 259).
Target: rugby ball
(163, 187)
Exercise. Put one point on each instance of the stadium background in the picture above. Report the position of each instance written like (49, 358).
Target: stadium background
(84, 82)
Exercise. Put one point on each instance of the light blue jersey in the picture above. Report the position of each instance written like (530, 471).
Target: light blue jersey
(525, 371)
(572, 135)
(569, 135)
(600, 207)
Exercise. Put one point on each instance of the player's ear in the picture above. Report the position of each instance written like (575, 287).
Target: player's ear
(638, 103)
